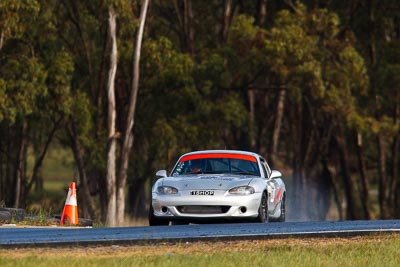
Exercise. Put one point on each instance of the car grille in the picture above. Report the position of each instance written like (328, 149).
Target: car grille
(203, 209)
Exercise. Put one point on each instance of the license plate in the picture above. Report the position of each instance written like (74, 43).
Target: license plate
(202, 193)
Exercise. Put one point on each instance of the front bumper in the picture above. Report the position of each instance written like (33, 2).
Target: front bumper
(218, 206)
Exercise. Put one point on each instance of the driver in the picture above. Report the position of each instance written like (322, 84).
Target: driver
(196, 166)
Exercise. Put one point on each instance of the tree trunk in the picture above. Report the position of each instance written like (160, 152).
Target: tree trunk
(371, 6)
(395, 173)
(226, 21)
(128, 135)
(338, 196)
(352, 212)
(297, 204)
(291, 5)
(137, 198)
(383, 181)
(39, 161)
(185, 20)
(396, 165)
(189, 25)
(1, 39)
(395, 159)
(20, 166)
(75, 16)
(250, 132)
(2, 164)
(261, 12)
(277, 125)
(9, 182)
(323, 199)
(364, 179)
(111, 213)
(397, 177)
(87, 203)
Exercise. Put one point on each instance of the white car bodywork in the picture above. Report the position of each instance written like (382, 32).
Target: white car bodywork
(230, 185)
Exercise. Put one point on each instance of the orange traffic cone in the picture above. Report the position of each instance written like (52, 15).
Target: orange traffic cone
(70, 212)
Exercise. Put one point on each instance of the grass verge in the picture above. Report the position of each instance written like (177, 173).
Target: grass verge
(375, 250)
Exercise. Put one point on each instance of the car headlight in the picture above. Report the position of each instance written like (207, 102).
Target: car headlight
(242, 190)
(167, 190)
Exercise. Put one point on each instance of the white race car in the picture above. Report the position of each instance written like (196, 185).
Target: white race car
(218, 185)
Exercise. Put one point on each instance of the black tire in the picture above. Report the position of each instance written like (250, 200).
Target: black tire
(263, 216)
(282, 218)
(153, 220)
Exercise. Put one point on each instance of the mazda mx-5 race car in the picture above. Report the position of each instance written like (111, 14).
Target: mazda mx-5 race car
(218, 185)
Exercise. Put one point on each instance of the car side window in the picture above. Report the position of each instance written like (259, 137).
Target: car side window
(265, 172)
(268, 169)
(264, 169)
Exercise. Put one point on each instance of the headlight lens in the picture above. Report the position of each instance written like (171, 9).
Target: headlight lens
(242, 190)
(167, 190)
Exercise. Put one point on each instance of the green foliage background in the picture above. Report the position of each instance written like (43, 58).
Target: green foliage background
(336, 62)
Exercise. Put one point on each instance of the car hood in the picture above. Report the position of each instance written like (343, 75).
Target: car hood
(207, 181)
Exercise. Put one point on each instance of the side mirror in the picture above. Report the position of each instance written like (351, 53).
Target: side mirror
(275, 174)
(161, 173)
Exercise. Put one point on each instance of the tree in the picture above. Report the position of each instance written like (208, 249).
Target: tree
(312, 90)
(22, 84)
(112, 135)
(306, 50)
(377, 29)
(184, 13)
(128, 135)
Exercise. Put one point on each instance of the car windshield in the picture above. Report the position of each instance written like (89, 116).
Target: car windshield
(237, 164)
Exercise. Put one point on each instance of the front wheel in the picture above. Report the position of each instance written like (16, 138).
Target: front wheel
(263, 209)
(282, 218)
(153, 220)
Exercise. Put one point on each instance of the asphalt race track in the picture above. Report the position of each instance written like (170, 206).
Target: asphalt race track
(56, 236)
